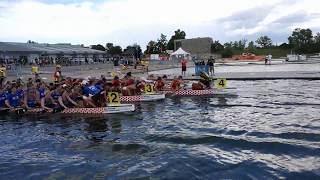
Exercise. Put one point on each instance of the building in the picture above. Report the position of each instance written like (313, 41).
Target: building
(13, 52)
(200, 47)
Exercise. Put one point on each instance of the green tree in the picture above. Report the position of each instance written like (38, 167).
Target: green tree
(98, 47)
(216, 47)
(251, 47)
(109, 45)
(152, 48)
(300, 37)
(136, 49)
(264, 41)
(178, 34)
(115, 50)
(162, 43)
(242, 44)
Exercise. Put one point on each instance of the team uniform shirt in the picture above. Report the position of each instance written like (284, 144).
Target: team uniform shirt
(55, 95)
(14, 99)
(20, 92)
(91, 90)
(2, 100)
(42, 92)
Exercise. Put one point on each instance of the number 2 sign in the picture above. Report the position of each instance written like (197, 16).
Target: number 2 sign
(114, 98)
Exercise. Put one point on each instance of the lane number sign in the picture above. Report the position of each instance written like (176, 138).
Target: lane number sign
(221, 83)
(114, 98)
(149, 88)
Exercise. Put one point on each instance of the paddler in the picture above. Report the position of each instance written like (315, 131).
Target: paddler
(2, 98)
(159, 84)
(177, 83)
(116, 84)
(55, 97)
(13, 99)
(93, 93)
(65, 94)
(129, 85)
(204, 82)
(30, 97)
(41, 95)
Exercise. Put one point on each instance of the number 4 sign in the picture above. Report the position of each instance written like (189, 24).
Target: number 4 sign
(221, 83)
(113, 98)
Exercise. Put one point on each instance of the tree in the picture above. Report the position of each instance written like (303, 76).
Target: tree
(109, 45)
(264, 41)
(115, 50)
(216, 47)
(152, 48)
(242, 44)
(300, 37)
(178, 34)
(98, 47)
(135, 49)
(251, 47)
(162, 43)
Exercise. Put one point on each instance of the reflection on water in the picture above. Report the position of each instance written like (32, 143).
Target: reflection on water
(255, 129)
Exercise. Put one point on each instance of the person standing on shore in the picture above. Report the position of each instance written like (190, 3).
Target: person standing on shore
(183, 67)
(269, 59)
(210, 63)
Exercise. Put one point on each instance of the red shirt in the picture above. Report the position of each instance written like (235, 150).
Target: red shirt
(129, 82)
(184, 62)
(159, 84)
(175, 85)
(116, 83)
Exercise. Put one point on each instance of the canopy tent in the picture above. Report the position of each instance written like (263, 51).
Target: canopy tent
(180, 51)
(179, 54)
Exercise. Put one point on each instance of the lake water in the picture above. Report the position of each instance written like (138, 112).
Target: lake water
(253, 130)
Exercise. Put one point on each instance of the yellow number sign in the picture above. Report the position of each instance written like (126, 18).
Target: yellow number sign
(221, 83)
(113, 98)
(149, 88)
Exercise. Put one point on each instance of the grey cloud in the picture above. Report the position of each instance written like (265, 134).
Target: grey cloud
(248, 18)
(295, 17)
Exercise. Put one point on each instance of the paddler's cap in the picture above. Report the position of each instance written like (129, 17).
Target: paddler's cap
(84, 82)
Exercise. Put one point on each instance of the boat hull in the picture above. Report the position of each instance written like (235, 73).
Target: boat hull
(145, 97)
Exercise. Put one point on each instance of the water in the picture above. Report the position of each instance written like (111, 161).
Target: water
(253, 130)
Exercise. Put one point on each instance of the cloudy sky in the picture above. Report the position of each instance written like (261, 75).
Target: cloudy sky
(125, 22)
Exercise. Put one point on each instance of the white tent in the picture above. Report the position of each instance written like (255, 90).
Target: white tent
(179, 54)
(179, 51)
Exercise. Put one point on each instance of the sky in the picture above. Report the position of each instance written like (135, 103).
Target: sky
(125, 22)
